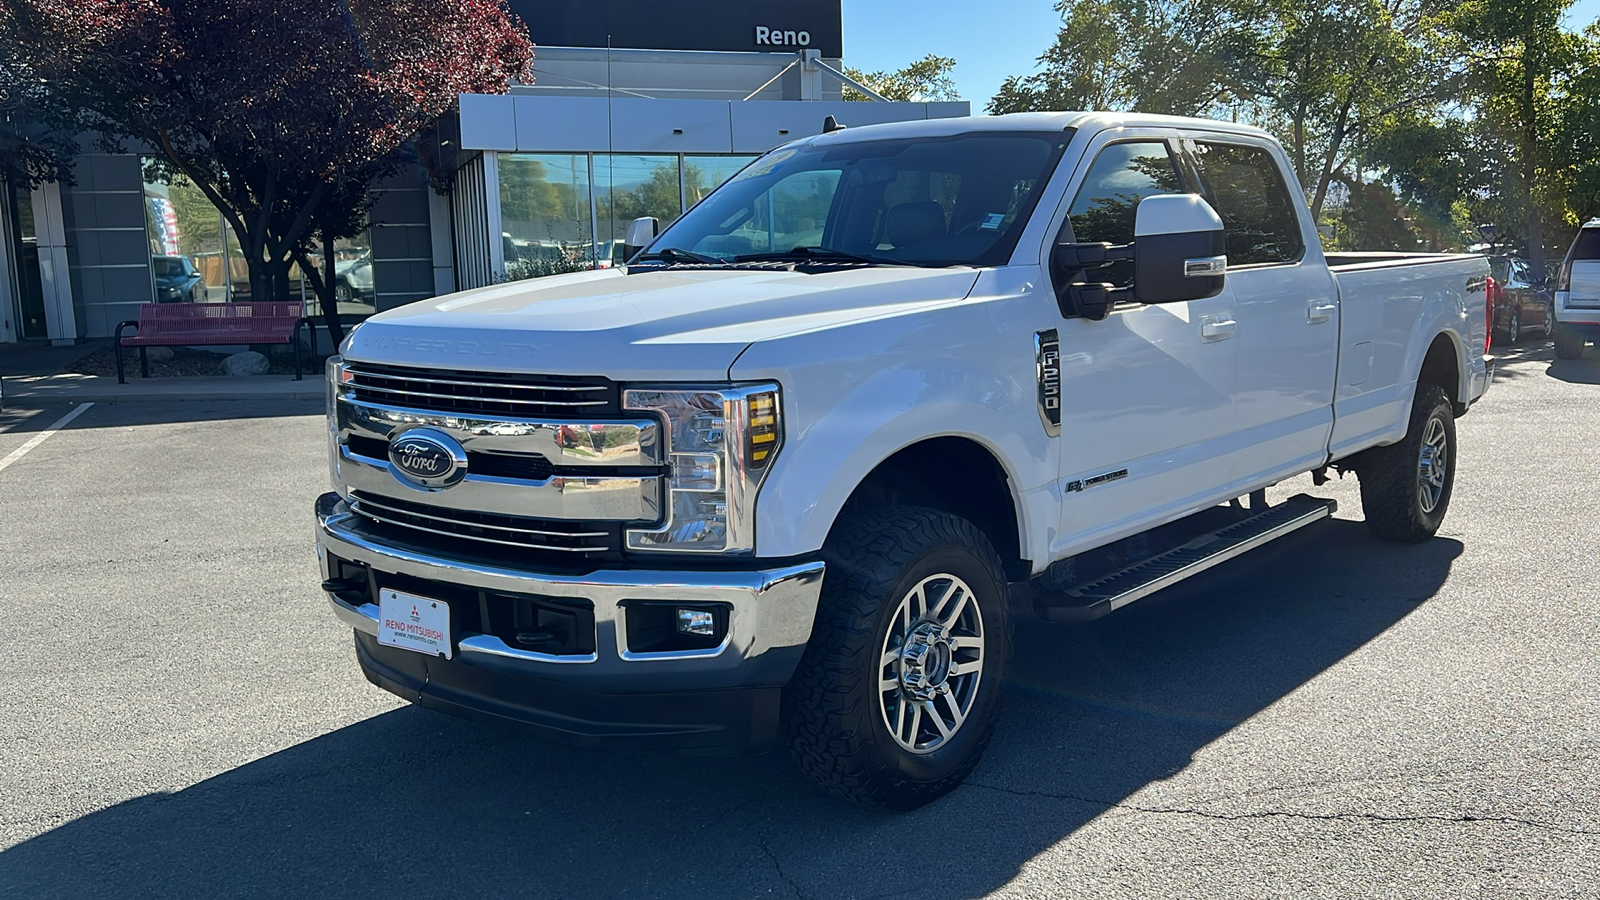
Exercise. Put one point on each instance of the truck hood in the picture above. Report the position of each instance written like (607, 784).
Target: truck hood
(669, 325)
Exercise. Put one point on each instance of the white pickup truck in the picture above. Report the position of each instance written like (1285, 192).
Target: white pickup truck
(790, 474)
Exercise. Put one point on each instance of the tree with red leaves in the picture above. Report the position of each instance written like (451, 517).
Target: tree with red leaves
(284, 112)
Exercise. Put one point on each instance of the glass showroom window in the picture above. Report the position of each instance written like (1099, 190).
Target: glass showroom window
(194, 256)
(627, 187)
(704, 174)
(545, 215)
(354, 288)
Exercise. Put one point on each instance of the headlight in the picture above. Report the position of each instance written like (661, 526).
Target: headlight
(720, 443)
(337, 375)
(335, 371)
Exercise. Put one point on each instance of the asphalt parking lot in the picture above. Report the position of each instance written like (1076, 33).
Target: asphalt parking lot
(181, 716)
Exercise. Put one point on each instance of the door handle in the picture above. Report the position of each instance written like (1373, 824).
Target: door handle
(1320, 312)
(1217, 328)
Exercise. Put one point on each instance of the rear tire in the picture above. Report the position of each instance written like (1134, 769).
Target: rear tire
(1514, 326)
(1405, 487)
(898, 692)
(1568, 345)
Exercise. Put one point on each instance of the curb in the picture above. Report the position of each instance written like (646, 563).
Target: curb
(22, 393)
(21, 397)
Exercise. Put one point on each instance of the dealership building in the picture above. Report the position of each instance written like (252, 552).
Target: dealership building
(633, 112)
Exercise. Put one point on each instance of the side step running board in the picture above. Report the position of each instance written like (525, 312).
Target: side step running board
(1094, 599)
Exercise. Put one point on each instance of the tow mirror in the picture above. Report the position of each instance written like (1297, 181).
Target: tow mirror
(1177, 254)
(1180, 253)
(640, 233)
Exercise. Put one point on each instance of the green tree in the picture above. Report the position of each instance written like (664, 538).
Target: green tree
(925, 80)
(1155, 56)
(1518, 73)
(1328, 78)
(1578, 135)
(36, 135)
(284, 113)
(1335, 77)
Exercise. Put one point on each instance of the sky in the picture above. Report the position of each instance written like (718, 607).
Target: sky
(989, 39)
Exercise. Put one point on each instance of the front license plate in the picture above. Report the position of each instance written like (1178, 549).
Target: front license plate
(414, 623)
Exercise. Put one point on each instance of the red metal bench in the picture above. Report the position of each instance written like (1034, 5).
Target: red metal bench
(194, 324)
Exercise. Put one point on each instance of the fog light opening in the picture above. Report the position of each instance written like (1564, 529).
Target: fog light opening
(698, 622)
(674, 626)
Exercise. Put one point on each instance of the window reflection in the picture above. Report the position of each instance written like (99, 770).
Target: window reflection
(1107, 203)
(17, 201)
(547, 223)
(704, 174)
(354, 287)
(194, 256)
(628, 187)
(545, 215)
(1243, 185)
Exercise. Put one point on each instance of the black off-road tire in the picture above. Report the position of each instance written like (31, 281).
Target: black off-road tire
(1392, 493)
(833, 715)
(1568, 344)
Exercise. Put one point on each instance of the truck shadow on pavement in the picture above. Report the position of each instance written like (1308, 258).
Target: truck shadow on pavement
(415, 804)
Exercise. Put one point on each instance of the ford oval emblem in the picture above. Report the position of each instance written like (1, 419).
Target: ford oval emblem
(428, 458)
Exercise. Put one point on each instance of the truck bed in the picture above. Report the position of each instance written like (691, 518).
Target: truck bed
(1389, 304)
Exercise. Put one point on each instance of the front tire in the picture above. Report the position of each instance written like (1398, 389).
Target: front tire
(1405, 487)
(898, 692)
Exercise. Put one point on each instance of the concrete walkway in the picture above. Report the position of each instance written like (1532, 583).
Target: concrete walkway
(29, 390)
(34, 374)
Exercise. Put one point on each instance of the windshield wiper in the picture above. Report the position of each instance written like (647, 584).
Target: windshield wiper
(821, 254)
(673, 254)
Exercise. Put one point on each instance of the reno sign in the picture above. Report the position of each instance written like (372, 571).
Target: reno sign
(777, 37)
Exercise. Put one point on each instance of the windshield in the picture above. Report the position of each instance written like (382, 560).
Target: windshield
(960, 200)
(169, 266)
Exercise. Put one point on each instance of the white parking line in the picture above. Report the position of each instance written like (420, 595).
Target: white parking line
(38, 439)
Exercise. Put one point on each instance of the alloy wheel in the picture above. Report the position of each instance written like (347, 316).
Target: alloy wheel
(931, 663)
(1433, 464)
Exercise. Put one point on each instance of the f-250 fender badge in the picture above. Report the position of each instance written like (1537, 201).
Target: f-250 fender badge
(1096, 481)
(1047, 349)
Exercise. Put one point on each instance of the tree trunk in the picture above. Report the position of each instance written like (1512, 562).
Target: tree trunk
(1530, 166)
(279, 269)
(1300, 144)
(1335, 142)
(330, 294)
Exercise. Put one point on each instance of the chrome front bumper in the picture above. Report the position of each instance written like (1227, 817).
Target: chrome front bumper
(770, 619)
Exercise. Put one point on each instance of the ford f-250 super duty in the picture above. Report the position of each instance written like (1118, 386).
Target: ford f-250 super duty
(786, 475)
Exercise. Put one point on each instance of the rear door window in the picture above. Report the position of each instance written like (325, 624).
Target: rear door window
(1244, 185)
(1587, 246)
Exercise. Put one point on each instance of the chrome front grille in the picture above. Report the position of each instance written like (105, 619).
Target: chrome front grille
(522, 466)
(532, 396)
(574, 537)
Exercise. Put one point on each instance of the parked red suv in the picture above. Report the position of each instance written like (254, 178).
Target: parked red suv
(1518, 303)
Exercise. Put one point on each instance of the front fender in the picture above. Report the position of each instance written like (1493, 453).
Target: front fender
(854, 396)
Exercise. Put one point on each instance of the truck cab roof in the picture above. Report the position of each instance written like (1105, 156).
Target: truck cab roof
(1030, 121)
